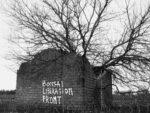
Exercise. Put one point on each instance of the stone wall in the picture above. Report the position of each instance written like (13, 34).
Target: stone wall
(103, 88)
(7, 101)
(56, 78)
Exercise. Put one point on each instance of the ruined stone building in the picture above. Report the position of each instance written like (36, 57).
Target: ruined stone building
(57, 78)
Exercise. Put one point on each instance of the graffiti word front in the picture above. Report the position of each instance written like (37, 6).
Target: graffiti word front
(51, 99)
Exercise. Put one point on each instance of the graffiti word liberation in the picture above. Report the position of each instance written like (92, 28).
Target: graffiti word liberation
(53, 91)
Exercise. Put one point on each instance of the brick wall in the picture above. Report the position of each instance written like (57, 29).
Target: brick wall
(55, 66)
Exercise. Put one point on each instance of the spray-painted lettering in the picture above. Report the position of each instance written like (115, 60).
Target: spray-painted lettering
(53, 91)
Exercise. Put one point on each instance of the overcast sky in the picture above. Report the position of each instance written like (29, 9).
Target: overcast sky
(7, 74)
(8, 67)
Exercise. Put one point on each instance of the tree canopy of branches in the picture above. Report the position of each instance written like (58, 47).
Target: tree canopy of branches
(81, 26)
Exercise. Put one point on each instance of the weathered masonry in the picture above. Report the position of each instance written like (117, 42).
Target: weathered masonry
(59, 78)
(103, 88)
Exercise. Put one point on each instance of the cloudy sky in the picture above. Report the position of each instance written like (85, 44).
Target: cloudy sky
(7, 73)
(7, 66)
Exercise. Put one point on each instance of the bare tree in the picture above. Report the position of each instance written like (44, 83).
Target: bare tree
(79, 26)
